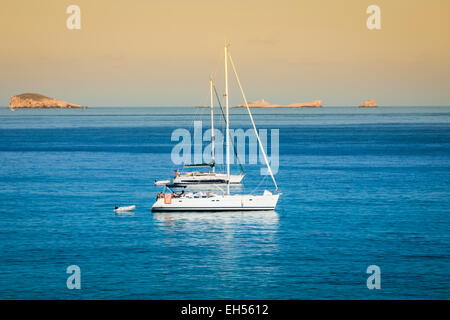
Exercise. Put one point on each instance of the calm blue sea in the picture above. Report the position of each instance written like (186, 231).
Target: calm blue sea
(360, 187)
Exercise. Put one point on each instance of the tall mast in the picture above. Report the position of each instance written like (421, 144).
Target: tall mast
(227, 120)
(212, 123)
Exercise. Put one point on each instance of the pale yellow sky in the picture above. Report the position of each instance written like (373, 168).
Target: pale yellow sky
(136, 53)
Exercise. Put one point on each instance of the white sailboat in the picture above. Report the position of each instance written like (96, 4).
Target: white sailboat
(189, 178)
(225, 202)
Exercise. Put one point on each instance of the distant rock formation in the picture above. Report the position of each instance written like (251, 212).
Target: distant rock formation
(312, 104)
(35, 100)
(264, 104)
(368, 104)
(256, 104)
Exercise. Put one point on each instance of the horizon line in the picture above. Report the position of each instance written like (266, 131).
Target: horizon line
(191, 106)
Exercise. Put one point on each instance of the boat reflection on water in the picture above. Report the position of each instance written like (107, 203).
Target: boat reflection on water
(124, 213)
(219, 220)
(224, 247)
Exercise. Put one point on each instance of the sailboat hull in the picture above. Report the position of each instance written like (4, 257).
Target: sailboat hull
(207, 178)
(218, 203)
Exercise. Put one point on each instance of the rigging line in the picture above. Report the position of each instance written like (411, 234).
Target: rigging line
(259, 184)
(198, 115)
(253, 123)
(198, 111)
(232, 142)
(221, 190)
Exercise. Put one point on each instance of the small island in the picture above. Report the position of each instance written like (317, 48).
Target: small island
(264, 104)
(36, 101)
(368, 104)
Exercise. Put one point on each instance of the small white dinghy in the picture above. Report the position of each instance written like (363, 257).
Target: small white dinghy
(162, 182)
(124, 209)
